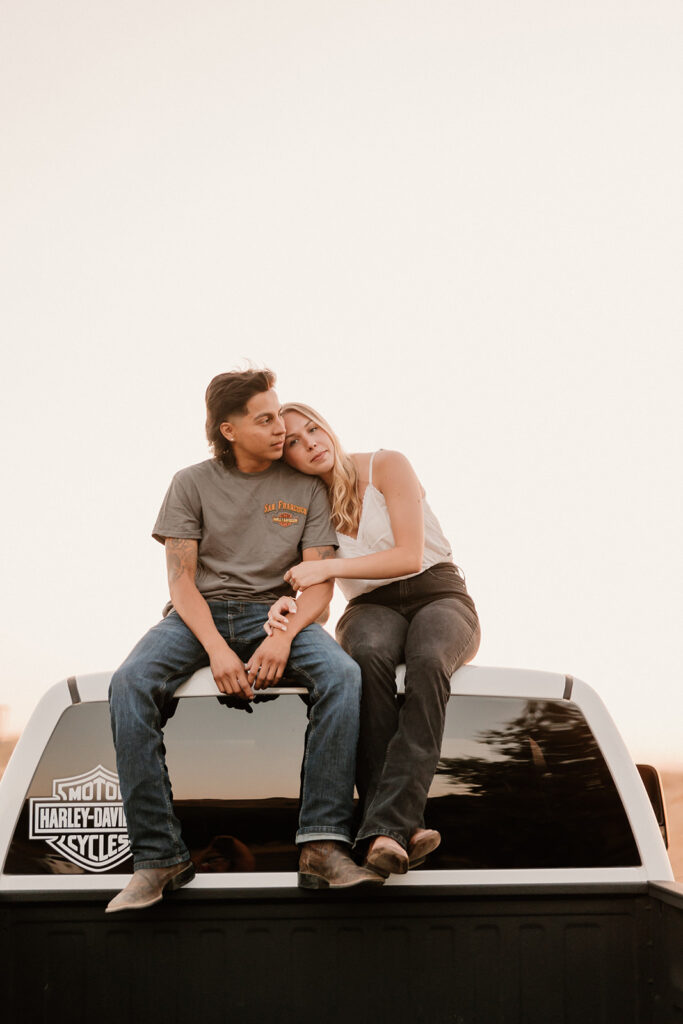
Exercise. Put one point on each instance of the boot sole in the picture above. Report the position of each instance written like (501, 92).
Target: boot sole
(308, 881)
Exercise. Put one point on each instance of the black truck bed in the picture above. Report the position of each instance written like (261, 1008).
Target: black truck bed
(602, 954)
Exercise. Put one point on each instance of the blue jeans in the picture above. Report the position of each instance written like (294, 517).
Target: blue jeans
(140, 694)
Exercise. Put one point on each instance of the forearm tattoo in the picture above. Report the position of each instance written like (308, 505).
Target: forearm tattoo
(181, 558)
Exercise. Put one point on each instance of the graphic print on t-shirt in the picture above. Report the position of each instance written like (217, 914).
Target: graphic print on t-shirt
(284, 512)
(285, 519)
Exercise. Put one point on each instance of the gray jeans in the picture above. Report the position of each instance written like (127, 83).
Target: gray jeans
(430, 622)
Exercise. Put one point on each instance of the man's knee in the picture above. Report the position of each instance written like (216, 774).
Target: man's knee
(132, 680)
(118, 685)
(347, 670)
(342, 674)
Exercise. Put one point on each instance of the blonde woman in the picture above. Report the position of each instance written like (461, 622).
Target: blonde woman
(407, 602)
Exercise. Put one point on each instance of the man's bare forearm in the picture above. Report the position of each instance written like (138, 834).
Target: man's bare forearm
(181, 564)
(196, 614)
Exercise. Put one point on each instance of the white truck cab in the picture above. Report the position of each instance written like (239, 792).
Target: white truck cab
(534, 785)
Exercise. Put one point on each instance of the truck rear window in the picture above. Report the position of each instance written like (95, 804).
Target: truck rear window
(521, 784)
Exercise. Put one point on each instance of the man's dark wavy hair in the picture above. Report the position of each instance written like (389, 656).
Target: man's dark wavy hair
(227, 394)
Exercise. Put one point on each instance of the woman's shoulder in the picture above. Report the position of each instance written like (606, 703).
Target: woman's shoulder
(388, 456)
(393, 472)
(387, 460)
(384, 467)
(381, 457)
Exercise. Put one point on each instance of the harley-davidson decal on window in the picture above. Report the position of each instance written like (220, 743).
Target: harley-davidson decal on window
(83, 820)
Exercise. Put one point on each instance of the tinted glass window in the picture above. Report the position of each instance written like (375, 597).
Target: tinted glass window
(235, 778)
(520, 784)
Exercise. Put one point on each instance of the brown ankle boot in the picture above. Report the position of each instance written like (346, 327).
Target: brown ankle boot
(325, 864)
(422, 842)
(387, 856)
(148, 885)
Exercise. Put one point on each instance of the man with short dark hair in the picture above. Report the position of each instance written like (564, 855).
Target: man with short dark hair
(232, 526)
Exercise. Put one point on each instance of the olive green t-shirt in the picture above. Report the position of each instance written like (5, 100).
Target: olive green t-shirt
(251, 527)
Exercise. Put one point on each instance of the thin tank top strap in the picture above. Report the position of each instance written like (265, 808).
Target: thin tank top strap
(372, 459)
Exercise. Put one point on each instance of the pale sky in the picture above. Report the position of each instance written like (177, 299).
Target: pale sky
(455, 227)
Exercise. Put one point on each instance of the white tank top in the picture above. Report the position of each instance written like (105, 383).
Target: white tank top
(375, 534)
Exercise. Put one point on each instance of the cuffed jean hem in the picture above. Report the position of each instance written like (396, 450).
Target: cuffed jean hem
(314, 835)
(374, 832)
(168, 862)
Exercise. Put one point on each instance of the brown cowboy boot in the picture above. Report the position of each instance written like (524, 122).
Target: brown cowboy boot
(328, 865)
(387, 856)
(422, 842)
(148, 885)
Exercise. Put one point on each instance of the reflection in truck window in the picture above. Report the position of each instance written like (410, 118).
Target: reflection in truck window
(521, 784)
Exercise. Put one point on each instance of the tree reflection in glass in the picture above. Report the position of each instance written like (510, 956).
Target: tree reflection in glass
(523, 784)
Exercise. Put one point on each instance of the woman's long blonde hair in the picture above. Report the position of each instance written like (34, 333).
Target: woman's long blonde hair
(345, 504)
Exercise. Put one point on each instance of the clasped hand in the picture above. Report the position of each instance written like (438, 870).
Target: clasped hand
(307, 574)
(278, 614)
(265, 667)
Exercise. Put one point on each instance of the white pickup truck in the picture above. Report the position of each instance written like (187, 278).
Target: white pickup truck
(551, 898)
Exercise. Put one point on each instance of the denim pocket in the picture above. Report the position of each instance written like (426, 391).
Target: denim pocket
(446, 572)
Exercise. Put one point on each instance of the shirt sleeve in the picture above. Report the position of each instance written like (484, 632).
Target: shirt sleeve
(181, 512)
(318, 531)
